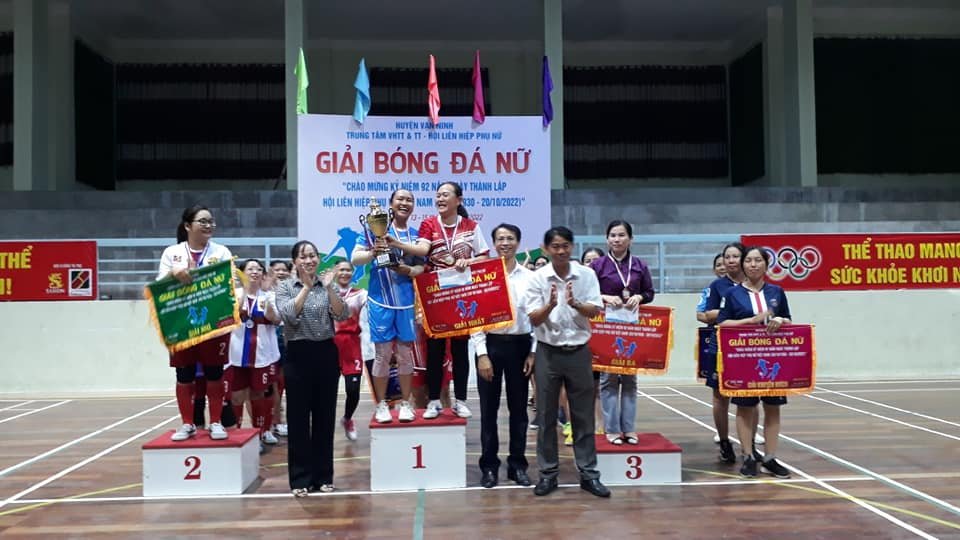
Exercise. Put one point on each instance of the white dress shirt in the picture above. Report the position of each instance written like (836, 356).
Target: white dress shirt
(516, 287)
(564, 326)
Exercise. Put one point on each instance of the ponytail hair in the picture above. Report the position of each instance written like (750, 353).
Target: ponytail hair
(186, 219)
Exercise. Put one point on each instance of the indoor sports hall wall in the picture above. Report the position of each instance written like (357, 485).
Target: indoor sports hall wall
(109, 347)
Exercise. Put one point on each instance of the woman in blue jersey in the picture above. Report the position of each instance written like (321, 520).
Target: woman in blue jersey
(707, 313)
(390, 307)
(756, 302)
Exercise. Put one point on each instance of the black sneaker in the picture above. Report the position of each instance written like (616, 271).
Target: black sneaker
(727, 454)
(749, 468)
(775, 469)
(757, 455)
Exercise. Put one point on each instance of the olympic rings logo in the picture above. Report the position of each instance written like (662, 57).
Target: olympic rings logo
(793, 263)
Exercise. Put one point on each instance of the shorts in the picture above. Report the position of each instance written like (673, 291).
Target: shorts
(257, 379)
(212, 352)
(348, 347)
(754, 401)
(390, 324)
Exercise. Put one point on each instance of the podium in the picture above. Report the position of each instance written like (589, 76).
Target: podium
(654, 460)
(422, 454)
(201, 465)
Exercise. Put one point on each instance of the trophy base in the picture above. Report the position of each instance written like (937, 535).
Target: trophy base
(386, 260)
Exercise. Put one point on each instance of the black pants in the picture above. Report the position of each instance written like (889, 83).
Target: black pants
(312, 374)
(507, 354)
(436, 350)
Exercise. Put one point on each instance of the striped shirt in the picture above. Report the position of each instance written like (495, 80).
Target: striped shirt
(315, 321)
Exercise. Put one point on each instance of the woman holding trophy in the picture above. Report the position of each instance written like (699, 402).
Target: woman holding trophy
(390, 297)
(450, 240)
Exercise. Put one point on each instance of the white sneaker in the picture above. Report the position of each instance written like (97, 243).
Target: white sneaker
(281, 429)
(349, 428)
(383, 415)
(716, 439)
(460, 409)
(758, 439)
(185, 432)
(217, 432)
(406, 413)
(269, 438)
(433, 410)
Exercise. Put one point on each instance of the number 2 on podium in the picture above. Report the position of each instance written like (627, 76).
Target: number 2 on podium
(418, 450)
(633, 467)
(194, 463)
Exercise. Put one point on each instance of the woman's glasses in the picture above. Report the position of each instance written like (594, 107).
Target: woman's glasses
(206, 222)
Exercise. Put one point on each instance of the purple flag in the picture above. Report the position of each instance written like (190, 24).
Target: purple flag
(547, 88)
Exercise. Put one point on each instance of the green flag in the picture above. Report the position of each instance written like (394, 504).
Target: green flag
(203, 309)
(302, 83)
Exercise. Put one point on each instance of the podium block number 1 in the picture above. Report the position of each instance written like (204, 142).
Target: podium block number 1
(633, 467)
(418, 450)
(193, 463)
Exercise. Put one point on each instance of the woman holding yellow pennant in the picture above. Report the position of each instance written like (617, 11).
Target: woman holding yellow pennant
(194, 249)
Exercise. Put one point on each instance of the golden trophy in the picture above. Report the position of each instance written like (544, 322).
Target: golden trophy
(378, 223)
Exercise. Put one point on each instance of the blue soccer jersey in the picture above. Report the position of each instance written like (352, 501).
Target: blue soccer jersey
(388, 288)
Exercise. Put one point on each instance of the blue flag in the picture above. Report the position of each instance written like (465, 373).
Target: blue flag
(361, 107)
(547, 88)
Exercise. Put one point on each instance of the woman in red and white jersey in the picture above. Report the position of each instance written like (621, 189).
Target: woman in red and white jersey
(194, 248)
(254, 353)
(449, 240)
(347, 339)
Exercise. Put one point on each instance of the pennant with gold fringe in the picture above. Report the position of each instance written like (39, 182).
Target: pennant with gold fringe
(185, 315)
(482, 304)
(754, 363)
(641, 348)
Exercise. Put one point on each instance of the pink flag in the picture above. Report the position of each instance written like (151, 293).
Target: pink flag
(433, 97)
(479, 114)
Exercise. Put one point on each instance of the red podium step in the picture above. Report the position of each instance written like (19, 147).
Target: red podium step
(201, 465)
(422, 454)
(653, 460)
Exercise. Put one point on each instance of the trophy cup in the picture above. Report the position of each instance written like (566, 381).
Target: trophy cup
(378, 222)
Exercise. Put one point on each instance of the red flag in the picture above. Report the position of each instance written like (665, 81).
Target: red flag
(433, 97)
(479, 114)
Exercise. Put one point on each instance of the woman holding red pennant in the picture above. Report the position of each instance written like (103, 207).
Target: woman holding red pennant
(625, 284)
(194, 248)
(451, 241)
(757, 302)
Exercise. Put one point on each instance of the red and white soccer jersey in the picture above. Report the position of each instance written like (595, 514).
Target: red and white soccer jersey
(347, 337)
(462, 240)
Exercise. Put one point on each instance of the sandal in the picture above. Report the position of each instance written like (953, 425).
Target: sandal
(615, 439)
(631, 439)
(300, 492)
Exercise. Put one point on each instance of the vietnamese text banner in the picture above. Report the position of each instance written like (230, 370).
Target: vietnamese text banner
(818, 262)
(48, 270)
(200, 310)
(482, 304)
(503, 166)
(751, 362)
(631, 348)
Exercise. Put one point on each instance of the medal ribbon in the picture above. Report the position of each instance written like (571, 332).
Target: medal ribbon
(453, 238)
(626, 282)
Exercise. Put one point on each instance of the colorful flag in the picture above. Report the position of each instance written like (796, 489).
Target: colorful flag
(361, 107)
(479, 113)
(302, 83)
(547, 88)
(433, 91)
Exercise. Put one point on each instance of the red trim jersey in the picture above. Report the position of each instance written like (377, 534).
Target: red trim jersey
(462, 240)
(254, 343)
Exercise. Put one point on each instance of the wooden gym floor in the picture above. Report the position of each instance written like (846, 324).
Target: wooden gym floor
(870, 459)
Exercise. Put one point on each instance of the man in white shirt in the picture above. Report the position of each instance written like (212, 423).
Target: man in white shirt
(505, 354)
(561, 298)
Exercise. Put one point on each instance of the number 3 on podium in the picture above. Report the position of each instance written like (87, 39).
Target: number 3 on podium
(418, 450)
(633, 467)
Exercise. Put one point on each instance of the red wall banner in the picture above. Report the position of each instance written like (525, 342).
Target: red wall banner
(628, 348)
(824, 262)
(42, 270)
(457, 311)
(752, 362)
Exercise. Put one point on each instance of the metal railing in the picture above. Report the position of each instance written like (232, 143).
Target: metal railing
(678, 262)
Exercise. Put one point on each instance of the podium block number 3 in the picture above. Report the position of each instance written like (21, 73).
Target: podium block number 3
(633, 467)
(193, 464)
(418, 451)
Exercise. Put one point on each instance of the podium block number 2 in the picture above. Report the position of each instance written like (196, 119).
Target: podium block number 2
(193, 464)
(418, 450)
(633, 467)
